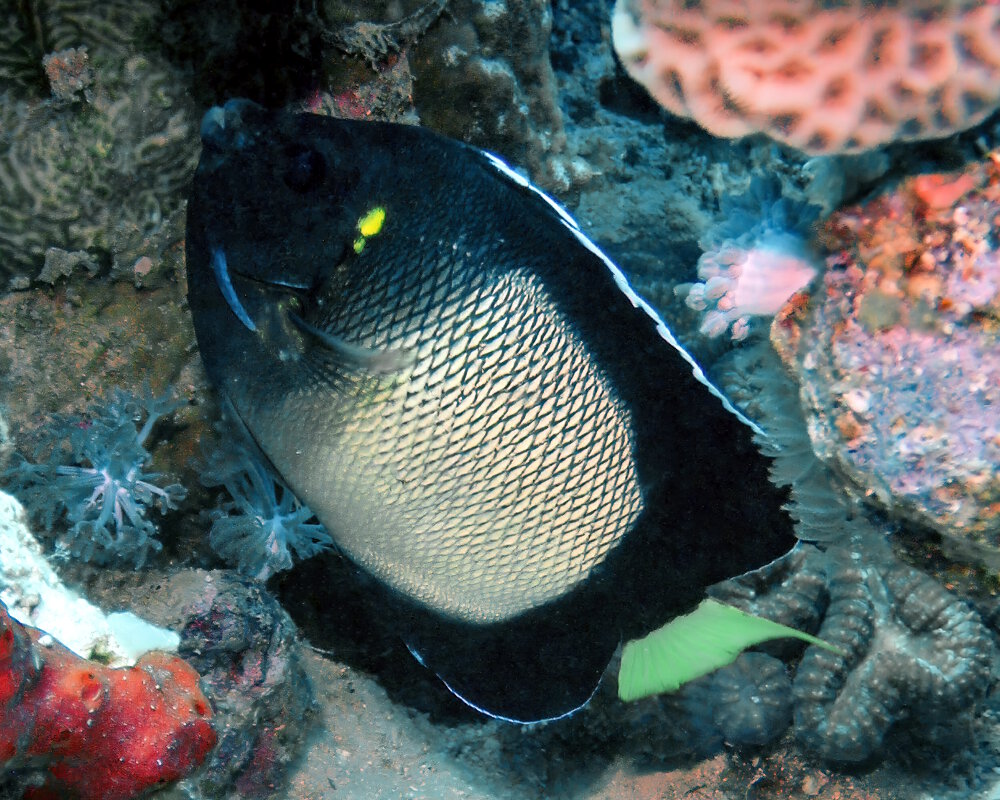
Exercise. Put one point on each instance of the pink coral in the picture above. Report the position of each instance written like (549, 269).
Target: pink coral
(740, 283)
(822, 77)
(72, 728)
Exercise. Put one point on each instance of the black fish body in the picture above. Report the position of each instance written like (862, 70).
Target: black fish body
(468, 395)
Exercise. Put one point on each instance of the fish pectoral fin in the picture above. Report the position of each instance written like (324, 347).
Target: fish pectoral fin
(348, 355)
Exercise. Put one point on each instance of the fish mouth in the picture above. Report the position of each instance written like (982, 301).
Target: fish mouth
(213, 126)
(373, 361)
(223, 129)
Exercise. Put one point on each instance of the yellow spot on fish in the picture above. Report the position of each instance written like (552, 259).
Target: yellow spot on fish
(371, 223)
(359, 244)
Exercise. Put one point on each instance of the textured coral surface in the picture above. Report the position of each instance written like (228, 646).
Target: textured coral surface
(71, 728)
(244, 644)
(96, 149)
(909, 649)
(822, 77)
(249, 655)
(897, 352)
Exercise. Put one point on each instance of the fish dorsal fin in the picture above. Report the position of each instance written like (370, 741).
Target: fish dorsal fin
(625, 287)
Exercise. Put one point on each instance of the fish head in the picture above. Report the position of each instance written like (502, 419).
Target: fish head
(267, 175)
(279, 203)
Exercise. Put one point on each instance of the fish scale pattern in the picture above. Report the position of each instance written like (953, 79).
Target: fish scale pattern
(509, 486)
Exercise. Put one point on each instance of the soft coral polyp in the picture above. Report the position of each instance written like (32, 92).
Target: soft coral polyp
(72, 728)
(97, 476)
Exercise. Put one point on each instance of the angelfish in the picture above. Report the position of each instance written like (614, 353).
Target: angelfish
(469, 395)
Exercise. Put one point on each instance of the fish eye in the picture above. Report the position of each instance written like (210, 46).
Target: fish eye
(306, 169)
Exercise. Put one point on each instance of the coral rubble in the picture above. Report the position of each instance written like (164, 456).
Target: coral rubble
(34, 594)
(244, 645)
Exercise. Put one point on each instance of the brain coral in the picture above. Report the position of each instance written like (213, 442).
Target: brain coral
(97, 149)
(821, 76)
(911, 652)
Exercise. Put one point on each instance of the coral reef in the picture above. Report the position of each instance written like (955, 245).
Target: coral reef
(250, 658)
(910, 647)
(745, 704)
(754, 260)
(896, 353)
(483, 75)
(263, 524)
(96, 475)
(752, 702)
(821, 77)
(912, 651)
(98, 166)
(477, 70)
(75, 728)
(642, 194)
(387, 95)
(374, 41)
(62, 345)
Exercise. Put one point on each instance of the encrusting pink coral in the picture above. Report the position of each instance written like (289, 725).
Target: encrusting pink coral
(74, 729)
(896, 353)
(822, 77)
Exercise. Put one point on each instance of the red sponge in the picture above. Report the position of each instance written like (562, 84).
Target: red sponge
(72, 728)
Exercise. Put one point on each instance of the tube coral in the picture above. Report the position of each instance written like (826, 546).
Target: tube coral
(754, 260)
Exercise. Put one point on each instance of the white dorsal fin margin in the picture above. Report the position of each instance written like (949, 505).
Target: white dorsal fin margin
(622, 282)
